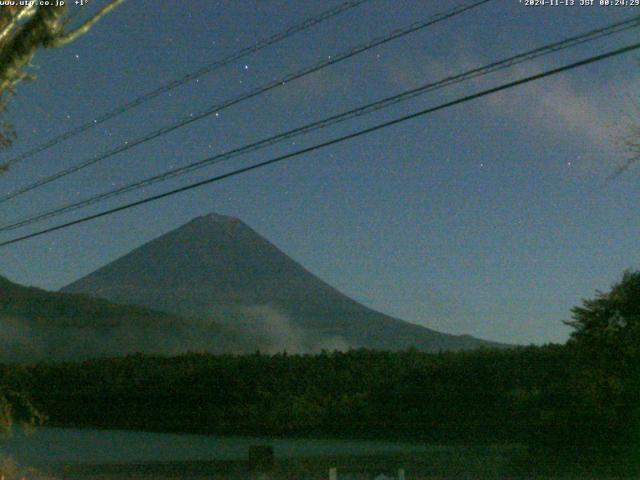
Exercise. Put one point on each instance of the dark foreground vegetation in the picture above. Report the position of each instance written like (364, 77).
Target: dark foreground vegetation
(538, 397)
(484, 396)
(581, 399)
(534, 395)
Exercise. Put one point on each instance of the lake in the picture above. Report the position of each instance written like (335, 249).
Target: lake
(47, 446)
(91, 454)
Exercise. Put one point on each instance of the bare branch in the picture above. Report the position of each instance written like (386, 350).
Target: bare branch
(18, 52)
(62, 40)
(631, 142)
(26, 12)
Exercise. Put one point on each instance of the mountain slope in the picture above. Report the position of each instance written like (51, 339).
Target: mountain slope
(218, 267)
(39, 325)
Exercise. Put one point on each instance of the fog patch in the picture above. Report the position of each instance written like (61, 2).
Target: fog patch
(276, 332)
(332, 344)
(244, 330)
(27, 341)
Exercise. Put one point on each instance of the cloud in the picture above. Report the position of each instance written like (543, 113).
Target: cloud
(586, 112)
(586, 109)
(277, 333)
(565, 109)
(275, 330)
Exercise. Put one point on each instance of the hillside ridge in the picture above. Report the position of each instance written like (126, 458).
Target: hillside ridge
(216, 266)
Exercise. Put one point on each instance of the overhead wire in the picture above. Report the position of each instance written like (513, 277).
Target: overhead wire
(214, 109)
(359, 133)
(588, 36)
(189, 77)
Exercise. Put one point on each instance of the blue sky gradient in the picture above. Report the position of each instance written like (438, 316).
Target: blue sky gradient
(492, 218)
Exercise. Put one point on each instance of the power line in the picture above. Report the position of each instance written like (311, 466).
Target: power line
(334, 141)
(331, 60)
(304, 25)
(332, 120)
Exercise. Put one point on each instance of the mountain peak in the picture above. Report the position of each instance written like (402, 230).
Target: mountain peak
(213, 222)
(217, 218)
(216, 266)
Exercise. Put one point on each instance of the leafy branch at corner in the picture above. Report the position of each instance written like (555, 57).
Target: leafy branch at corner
(15, 407)
(606, 343)
(23, 31)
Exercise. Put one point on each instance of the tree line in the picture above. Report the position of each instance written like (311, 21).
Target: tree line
(583, 393)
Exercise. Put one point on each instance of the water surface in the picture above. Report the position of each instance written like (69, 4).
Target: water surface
(49, 446)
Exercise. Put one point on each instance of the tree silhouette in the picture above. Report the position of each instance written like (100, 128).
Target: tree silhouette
(611, 320)
(15, 407)
(606, 339)
(25, 29)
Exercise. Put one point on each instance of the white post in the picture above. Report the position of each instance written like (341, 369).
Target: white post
(401, 474)
(333, 473)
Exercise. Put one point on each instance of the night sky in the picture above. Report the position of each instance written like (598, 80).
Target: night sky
(491, 218)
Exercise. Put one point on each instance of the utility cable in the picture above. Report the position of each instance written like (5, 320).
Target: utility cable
(334, 141)
(214, 109)
(332, 120)
(141, 100)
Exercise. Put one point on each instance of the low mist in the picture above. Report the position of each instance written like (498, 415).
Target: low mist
(247, 330)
